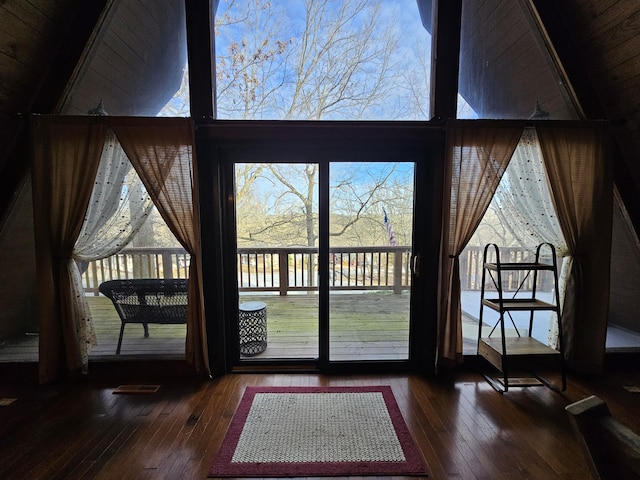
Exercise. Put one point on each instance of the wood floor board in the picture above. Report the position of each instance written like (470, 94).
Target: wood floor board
(478, 430)
(464, 429)
(426, 437)
(471, 445)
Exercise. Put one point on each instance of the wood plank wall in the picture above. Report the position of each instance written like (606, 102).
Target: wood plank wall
(136, 61)
(504, 68)
(607, 38)
(606, 35)
(31, 35)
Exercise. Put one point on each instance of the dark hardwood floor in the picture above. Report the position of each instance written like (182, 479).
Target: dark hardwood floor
(78, 429)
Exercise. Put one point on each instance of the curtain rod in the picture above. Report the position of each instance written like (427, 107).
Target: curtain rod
(533, 123)
(433, 122)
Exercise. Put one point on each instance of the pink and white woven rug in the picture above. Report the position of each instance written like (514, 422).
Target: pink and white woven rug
(317, 431)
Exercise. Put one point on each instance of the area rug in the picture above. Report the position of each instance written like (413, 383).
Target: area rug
(317, 431)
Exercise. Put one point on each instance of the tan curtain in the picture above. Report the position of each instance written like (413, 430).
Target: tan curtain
(578, 162)
(66, 154)
(161, 151)
(477, 156)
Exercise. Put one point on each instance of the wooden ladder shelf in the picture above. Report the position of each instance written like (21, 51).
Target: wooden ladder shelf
(508, 353)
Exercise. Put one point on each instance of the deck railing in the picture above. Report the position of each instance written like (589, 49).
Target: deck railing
(471, 269)
(136, 262)
(295, 269)
(291, 269)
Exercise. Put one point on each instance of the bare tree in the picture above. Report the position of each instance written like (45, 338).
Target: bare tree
(341, 61)
(281, 208)
(338, 64)
(251, 67)
(360, 193)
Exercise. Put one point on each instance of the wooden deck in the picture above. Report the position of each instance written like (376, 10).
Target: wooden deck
(163, 340)
(364, 326)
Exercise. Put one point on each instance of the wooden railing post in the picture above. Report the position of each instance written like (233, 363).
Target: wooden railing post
(283, 271)
(167, 265)
(397, 272)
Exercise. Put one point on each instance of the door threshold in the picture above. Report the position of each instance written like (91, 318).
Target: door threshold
(279, 367)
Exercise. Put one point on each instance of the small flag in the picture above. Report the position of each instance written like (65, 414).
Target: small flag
(392, 236)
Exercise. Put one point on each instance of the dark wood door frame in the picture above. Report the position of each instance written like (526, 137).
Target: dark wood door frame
(217, 138)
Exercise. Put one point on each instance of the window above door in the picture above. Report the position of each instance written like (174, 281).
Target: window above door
(321, 60)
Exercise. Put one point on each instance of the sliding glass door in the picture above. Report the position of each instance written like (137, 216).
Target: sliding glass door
(370, 234)
(280, 261)
(323, 236)
(277, 260)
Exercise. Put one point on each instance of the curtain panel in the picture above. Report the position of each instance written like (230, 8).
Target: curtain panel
(163, 156)
(477, 157)
(66, 155)
(523, 199)
(576, 158)
(118, 207)
(66, 158)
(578, 162)
(116, 211)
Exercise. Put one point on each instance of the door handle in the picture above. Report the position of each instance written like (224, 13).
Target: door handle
(415, 265)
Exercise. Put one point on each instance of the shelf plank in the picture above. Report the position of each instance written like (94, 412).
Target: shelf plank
(519, 346)
(518, 266)
(522, 352)
(518, 304)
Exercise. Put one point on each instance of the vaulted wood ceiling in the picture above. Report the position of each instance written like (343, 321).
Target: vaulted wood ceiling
(597, 42)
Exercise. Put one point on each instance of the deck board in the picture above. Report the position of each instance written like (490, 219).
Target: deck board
(364, 326)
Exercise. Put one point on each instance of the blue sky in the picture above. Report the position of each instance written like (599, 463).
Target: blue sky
(412, 55)
(412, 52)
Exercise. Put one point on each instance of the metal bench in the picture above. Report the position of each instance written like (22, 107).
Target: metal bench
(145, 301)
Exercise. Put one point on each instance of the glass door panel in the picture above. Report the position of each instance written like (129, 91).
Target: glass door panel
(370, 234)
(277, 260)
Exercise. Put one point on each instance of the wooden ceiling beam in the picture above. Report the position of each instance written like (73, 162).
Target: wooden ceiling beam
(445, 58)
(201, 52)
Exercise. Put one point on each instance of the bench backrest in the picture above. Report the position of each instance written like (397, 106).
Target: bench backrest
(148, 300)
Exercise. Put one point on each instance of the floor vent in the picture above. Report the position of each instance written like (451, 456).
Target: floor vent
(137, 389)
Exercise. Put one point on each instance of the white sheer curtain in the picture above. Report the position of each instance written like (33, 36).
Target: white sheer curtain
(524, 206)
(118, 207)
(523, 199)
